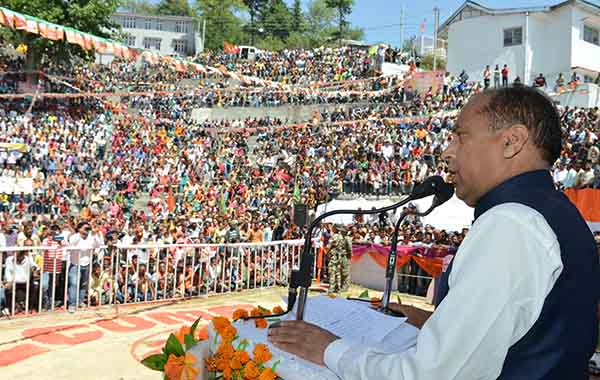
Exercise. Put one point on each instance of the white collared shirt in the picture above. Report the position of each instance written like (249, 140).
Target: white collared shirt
(502, 273)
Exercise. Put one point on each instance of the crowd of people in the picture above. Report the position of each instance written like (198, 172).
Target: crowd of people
(147, 173)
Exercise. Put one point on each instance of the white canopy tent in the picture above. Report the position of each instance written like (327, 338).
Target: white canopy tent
(453, 215)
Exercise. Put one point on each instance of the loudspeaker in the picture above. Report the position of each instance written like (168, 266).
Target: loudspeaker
(300, 215)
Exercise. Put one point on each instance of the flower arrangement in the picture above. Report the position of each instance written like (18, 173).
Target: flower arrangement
(231, 360)
(174, 360)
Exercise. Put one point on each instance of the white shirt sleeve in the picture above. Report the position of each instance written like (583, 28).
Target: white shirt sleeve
(501, 275)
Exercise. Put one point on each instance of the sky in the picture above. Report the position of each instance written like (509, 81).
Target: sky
(381, 19)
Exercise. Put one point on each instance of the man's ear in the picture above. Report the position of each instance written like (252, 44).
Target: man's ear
(514, 139)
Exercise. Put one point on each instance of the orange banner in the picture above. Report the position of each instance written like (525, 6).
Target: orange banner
(587, 202)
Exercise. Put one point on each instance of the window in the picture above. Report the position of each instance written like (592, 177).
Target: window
(129, 40)
(181, 27)
(591, 35)
(159, 25)
(180, 46)
(129, 22)
(152, 43)
(513, 36)
(148, 24)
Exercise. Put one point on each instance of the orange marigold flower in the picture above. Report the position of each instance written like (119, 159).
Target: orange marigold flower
(267, 374)
(225, 350)
(181, 367)
(265, 312)
(235, 364)
(211, 364)
(251, 371)
(255, 312)
(261, 353)
(260, 323)
(277, 310)
(220, 324)
(375, 301)
(332, 295)
(180, 335)
(229, 333)
(201, 334)
(242, 356)
(227, 373)
(222, 364)
(239, 314)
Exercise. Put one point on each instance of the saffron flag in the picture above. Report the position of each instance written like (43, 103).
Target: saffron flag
(230, 48)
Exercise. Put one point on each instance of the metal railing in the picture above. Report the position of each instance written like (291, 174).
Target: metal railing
(47, 279)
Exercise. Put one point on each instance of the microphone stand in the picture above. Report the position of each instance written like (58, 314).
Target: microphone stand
(302, 277)
(390, 269)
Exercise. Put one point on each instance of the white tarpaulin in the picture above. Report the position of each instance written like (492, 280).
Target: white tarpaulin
(453, 215)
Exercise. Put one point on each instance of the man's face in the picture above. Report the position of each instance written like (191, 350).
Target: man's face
(475, 154)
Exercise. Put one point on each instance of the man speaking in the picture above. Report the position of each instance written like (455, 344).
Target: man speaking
(523, 288)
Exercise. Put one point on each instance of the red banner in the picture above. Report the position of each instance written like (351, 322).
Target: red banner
(430, 259)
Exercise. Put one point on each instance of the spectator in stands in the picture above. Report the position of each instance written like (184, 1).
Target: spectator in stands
(18, 278)
(560, 82)
(79, 271)
(505, 73)
(52, 265)
(487, 76)
(540, 81)
(496, 76)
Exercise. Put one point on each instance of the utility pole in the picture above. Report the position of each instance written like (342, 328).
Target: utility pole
(402, 27)
(203, 33)
(436, 18)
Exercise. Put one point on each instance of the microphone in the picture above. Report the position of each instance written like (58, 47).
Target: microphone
(302, 278)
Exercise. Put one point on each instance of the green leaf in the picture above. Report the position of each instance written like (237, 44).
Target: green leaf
(155, 362)
(189, 341)
(262, 309)
(274, 368)
(398, 299)
(364, 294)
(174, 347)
(194, 326)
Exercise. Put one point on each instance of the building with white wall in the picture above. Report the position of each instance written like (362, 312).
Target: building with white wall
(167, 35)
(560, 38)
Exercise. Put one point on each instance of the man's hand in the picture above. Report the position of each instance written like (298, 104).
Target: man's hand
(416, 317)
(302, 339)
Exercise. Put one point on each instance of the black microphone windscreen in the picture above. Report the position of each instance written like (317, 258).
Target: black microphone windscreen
(428, 187)
(443, 194)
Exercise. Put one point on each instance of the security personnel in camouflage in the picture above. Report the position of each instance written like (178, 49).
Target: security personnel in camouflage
(340, 251)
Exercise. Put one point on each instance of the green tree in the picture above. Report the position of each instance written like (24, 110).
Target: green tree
(255, 9)
(344, 8)
(91, 16)
(276, 19)
(320, 21)
(144, 7)
(174, 8)
(298, 23)
(427, 63)
(222, 22)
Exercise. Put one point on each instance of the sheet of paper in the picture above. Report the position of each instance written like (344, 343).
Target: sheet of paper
(348, 319)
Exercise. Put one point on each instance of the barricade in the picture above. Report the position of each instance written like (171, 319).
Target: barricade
(48, 279)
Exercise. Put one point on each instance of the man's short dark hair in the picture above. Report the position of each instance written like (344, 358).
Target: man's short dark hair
(528, 106)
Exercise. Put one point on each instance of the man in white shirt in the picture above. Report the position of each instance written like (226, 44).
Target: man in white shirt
(509, 311)
(79, 270)
(17, 276)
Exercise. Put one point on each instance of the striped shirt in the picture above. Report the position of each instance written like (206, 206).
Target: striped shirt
(52, 256)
